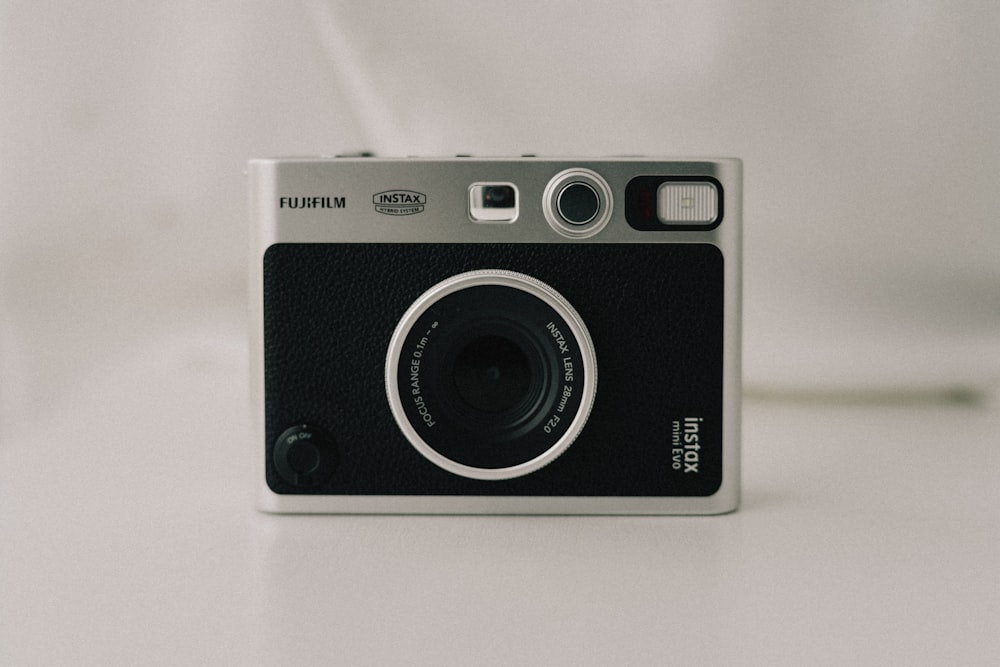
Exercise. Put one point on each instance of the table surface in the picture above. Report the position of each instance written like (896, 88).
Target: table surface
(869, 534)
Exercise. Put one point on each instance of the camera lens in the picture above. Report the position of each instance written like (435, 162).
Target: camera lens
(490, 374)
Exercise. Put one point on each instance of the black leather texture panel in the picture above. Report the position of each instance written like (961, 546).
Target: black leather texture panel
(654, 311)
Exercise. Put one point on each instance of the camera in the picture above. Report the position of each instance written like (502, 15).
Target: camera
(496, 335)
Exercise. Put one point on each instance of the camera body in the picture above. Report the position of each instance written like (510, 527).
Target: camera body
(496, 335)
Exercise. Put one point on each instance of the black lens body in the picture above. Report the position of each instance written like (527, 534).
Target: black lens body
(481, 375)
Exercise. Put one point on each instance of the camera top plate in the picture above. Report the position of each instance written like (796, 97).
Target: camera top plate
(371, 200)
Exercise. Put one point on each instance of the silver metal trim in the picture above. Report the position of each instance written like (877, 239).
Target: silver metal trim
(515, 280)
(724, 501)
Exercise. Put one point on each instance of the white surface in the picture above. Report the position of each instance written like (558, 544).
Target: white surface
(869, 535)
(871, 146)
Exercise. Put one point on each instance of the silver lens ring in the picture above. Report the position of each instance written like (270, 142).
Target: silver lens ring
(419, 374)
(565, 182)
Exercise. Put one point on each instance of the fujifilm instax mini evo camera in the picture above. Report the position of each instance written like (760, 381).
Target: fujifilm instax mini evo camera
(496, 335)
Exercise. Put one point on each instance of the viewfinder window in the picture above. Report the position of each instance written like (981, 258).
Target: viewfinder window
(493, 202)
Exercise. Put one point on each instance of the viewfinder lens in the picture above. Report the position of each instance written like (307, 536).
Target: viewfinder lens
(493, 202)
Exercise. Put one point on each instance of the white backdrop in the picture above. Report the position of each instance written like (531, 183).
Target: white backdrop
(871, 146)
(869, 135)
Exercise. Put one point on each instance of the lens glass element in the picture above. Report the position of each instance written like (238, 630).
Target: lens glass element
(498, 196)
(491, 374)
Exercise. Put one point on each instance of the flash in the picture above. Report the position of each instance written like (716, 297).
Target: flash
(687, 203)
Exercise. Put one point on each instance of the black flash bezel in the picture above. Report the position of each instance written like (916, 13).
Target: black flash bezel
(640, 204)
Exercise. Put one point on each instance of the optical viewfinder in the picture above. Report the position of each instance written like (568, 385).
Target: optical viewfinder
(493, 202)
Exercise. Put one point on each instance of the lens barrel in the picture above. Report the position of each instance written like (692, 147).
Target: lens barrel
(491, 374)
